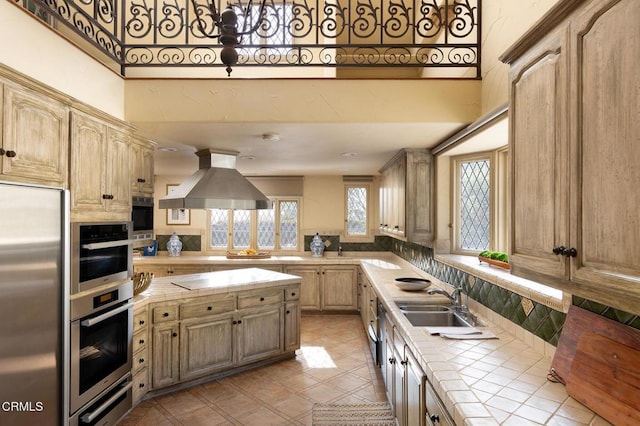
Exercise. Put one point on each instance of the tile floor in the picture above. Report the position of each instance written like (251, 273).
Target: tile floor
(333, 365)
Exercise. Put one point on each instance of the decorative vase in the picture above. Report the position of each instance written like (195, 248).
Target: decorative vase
(317, 246)
(174, 246)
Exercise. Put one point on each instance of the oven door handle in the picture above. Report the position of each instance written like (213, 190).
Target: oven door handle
(107, 244)
(91, 416)
(95, 320)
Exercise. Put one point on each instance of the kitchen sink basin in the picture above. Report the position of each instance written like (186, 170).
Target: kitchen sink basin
(436, 319)
(422, 308)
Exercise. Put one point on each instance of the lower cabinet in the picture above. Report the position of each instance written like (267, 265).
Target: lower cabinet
(202, 336)
(327, 288)
(404, 380)
(140, 350)
(436, 413)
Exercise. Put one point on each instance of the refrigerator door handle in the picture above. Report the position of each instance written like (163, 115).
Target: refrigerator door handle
(95, 320)
(91, 416)
(107, 244)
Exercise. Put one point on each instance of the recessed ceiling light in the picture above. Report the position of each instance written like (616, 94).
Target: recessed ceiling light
(247, 157)
(167, 149)
(271, 137)
(349, 154)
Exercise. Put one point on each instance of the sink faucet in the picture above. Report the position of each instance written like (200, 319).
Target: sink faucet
(454, 297)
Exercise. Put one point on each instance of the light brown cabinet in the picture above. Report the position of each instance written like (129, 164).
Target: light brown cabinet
(141, 167)
(34, 143)
(203, 336)
(327, 288)
(406, 196)
(574, 152)
(140, 350)
(99, 184)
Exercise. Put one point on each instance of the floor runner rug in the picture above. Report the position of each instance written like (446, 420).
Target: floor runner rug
(365, 414)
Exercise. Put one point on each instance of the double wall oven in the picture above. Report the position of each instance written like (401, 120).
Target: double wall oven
(101, 322)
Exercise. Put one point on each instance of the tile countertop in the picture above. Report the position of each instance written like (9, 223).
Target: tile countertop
(481, 382)
(162, 289)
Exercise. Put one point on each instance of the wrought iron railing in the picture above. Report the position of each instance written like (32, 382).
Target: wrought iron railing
(323, 33)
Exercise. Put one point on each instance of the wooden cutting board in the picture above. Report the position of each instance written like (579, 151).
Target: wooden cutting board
(605, 376)
(580, 321)
(599, 359)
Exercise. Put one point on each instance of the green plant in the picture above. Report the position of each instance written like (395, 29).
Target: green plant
(495, 255)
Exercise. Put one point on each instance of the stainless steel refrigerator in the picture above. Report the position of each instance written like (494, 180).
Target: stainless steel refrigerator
(34, 294)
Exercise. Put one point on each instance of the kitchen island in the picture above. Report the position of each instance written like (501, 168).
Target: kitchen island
(497, 381)
(209, 325)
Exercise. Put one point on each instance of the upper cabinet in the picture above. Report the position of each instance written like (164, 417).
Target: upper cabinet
(34, 140)
(575, 149)
(406, 196)
(141, 167)
(99, 173)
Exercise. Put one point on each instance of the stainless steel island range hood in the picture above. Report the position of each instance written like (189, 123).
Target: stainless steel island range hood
(216, 185)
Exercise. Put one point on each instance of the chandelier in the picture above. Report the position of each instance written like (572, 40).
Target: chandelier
(227, 25)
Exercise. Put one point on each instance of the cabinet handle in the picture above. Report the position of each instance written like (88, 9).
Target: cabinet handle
(293, 294)
(166, 314)
(392, 361)
(141, 360)
(288, 312)
(142, 341)
(11, 154)
(559, 250)
(140, 180)
(105, 196)
(174, 334)
(141, 385)
(262, 299)
(435, 418)
(239, 321)
(404, 362)
(2, 151)
(209, 308)
(234, 322)
(571, 252)
(141, 322)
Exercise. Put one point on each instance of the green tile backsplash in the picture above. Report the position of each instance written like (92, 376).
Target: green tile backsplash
(189, 242)
(542, 321)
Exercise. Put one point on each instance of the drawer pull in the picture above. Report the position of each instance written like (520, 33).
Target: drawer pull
(141, 385)
(141, 322)
(141, 341)
(141, 360)
(166, 314)
(209, 308)
(262, 299)
(174, 334)
(293, 294)
(288, 312)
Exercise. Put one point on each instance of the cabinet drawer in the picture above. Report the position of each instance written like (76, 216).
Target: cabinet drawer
(165, 313)
(292, 293)
(208, 307)
(140, 320)
(140, 340)
(139, 360)
(260, 299)
(140, 385)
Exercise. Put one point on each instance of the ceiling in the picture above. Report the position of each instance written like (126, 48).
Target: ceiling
(301, 148)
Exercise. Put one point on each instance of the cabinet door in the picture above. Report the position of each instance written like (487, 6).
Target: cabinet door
(539, 159)
(206, 346)
(260, 333)
(88, 163)
(339, 288)
(165, 358)
(292, 326)
(415, 380)
(399, 386)
(606, 230)
(141, 169)
(117, 174)
(36, 133)
(310, 287)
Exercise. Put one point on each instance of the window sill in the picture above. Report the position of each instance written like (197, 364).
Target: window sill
(548, 296)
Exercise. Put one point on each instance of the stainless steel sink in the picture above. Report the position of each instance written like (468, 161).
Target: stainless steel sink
(422, 308)
(436, 319)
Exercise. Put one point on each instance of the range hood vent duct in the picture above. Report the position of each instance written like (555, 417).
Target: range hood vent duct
(216, 185)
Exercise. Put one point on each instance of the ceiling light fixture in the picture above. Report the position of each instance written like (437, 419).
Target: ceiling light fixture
(349, 154)
(271, 137)
(167, 149)
(227, 25)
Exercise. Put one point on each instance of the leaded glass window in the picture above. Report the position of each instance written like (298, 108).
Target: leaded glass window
(288, 224)
(219, 228)
(474, 204)
(266, 229)
(357, 201)
(241, 228)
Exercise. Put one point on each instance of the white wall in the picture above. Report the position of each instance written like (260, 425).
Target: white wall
(31, 48)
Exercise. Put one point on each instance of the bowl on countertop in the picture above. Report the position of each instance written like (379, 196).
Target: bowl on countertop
(412, 283)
